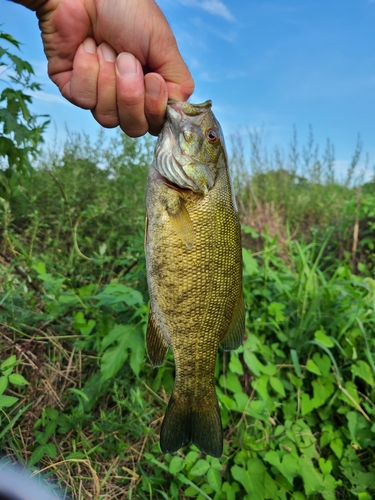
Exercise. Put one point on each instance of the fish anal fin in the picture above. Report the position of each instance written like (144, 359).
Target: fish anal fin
(156, 345)
(182, 224)
(236, 330)
(184, 424)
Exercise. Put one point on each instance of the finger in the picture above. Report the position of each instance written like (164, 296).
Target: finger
(81, 89)
(156, 98)
(180, 92)
(105, 111)
(130, 95)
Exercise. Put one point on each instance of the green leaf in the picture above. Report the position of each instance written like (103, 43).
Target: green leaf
(325, 466)
(121, 339)
(3, 384)
(115, 293)
(51, 413)
(277, 386)
(312, 367)
(257, 474)
(36, 455)
(138, 352)
(323, 389)
(17, 379)
(351, 389)
(362, 370)
(250, 230)
(276, 309)
(176, 464)
(200, 467)
(190, 458)
(214, 479)
(7, 401)
(295, 380)
(249, 263)
(50, 450)
(337, 447)
(8, 363)
(230, 490)
(185, 480)
(295, 361)
(312, 479)
(363, 495)
(231, 382)
(79, 393)
(252, 362)
(40, 267)
(326, 435)
(323, 362)
(358, 427)
(288, 467)
(240, 474)
(191, 492)
(260, 385)
(235, 365)
(307, 404)
(321, 337)
(115, 356)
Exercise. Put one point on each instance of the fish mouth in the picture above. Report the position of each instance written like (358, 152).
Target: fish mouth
(196, 112)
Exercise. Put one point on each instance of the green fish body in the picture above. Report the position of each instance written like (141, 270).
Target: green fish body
(194, 270)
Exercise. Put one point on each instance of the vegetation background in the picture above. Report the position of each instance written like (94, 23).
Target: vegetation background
(79, 402)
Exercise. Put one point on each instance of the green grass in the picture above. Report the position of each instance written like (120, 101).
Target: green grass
(297, 399)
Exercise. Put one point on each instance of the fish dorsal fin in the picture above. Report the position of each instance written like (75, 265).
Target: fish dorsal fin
(156, 345)
(233, 337)
(182, 224)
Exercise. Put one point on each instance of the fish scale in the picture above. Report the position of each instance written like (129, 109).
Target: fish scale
(194, 271)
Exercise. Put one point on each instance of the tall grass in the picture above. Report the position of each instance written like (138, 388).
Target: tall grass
(297, 193)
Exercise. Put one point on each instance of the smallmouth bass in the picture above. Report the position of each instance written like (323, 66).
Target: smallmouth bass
(194, 270)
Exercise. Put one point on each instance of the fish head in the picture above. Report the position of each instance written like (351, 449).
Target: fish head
(191, 146)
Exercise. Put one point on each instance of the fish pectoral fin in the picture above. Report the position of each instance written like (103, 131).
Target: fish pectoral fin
(235, 333)
(182, 224)
(156, 346)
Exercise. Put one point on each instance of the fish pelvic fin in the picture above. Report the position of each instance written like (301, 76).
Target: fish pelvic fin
(183, 425)
(156, 345)
(236, 330)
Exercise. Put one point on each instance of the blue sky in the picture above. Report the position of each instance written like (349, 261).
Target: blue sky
(267, 65)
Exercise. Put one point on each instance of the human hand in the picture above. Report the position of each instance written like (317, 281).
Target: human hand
(117, 58)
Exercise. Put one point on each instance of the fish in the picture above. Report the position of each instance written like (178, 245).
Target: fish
(194, 270)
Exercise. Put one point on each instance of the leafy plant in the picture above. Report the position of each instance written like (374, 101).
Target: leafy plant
(8, 377)
(20, 132)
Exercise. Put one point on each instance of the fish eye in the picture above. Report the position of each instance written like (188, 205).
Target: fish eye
(212, 135)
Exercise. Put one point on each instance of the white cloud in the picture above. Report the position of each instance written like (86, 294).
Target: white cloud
(47, 97)
(215, 7)
(230, 35)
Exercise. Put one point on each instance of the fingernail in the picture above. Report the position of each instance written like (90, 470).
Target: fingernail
(108, 53)
(126, 64)
(89, 46)
(152, 86)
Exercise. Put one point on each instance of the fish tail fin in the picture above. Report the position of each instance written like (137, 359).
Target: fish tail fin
(184, 424)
